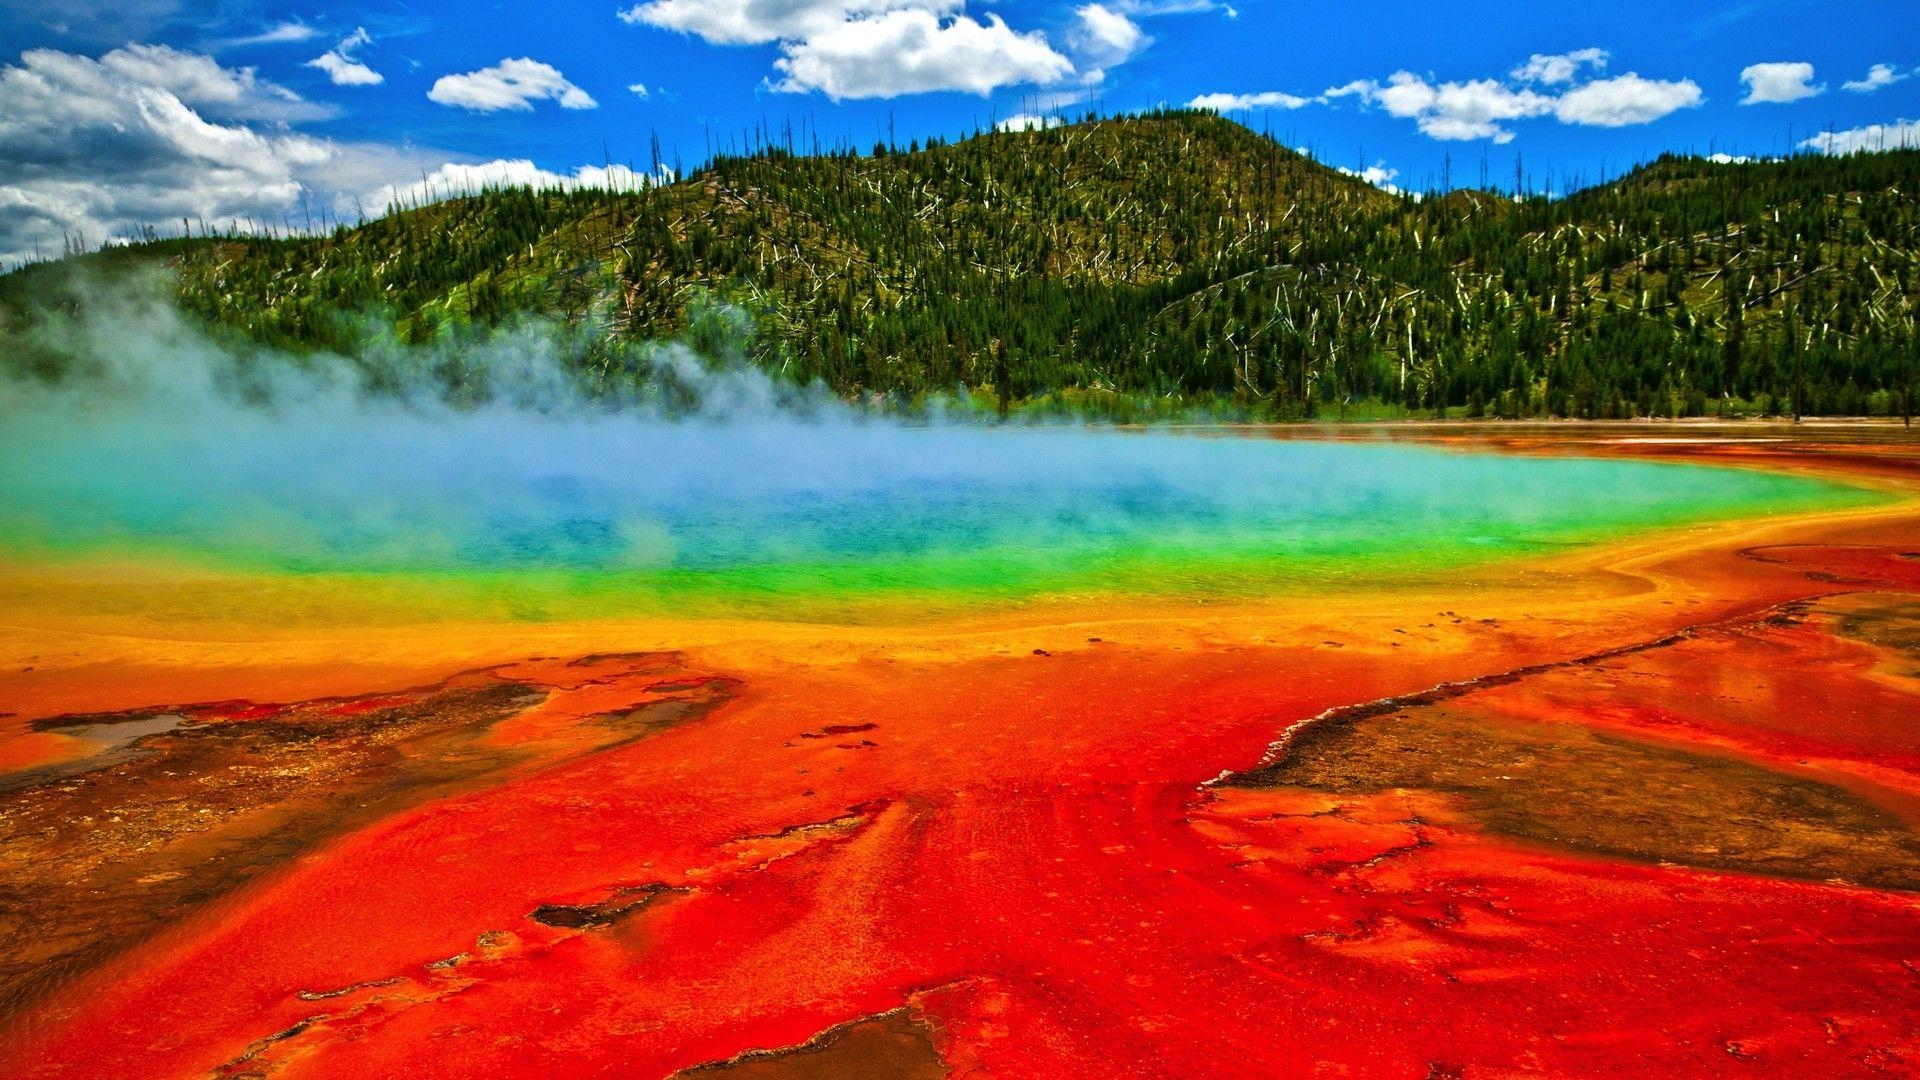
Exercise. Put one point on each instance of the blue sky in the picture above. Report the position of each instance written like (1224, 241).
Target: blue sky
(146, 111)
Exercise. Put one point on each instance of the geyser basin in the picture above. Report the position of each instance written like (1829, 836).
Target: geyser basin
(1012, 840)
(500, 512)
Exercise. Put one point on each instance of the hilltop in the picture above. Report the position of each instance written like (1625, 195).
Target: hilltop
(1134, 263)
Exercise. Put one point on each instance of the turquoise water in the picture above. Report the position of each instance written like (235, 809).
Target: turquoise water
(596, 513)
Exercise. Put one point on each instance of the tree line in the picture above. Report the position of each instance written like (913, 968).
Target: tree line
(1159, 264)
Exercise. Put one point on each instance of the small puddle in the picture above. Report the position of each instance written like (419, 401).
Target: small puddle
(106, 743)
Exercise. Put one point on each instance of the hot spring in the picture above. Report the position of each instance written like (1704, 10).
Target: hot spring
(502, 512)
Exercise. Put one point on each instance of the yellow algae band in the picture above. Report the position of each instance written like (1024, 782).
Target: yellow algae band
(504, 515)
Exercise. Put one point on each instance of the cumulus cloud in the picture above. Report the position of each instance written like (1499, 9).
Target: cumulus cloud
(1376, 174)
(1270, 99)
(510, 85)
(1476, 109)
(1565, 86)
(1878, 77)
(886, 48)
(916, 52)
(1779, 83)
(1558, 68)
(1028, 122)
(105, 148)
(1106, 37)
(757, 22)
(1873, 138)
(1358, 88)
(193, 78)
(456, 180)
(145, 136)
(341, 66)
(1625, 101)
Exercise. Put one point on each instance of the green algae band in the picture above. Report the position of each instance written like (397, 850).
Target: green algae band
(594, 516)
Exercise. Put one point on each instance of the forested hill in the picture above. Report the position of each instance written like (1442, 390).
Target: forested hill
(1165, 261)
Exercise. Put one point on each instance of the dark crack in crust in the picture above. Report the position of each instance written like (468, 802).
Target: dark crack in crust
(107, 850)
(1572, 787)
(624, 903)
(894, 1045)
(1565, 785)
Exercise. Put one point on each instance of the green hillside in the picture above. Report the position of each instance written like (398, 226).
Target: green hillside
(1154, 263)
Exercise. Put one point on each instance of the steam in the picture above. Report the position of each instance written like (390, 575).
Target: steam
(110, 348)
(666, 474)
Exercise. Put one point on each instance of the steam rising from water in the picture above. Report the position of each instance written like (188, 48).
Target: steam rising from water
(700, 486)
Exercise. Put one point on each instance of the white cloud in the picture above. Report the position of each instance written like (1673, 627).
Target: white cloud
(1558, 68)
(1154, 8)
(146, 136)
(914, 52)
(1877, 77)
(278, 34)
(341, 66)
(757, 22)
(1546, 85)
(1364, 89)
(510, 84)
(639, 90)
(1626, 100)
(97, 21)
(1724, 158)
(1106, 37)
(1028, 122)
(1779, 84)
(193, 78)
(1477, 109)
(1271, 99)
(1376, 174)
(455, 180)
(886, 48)
(1901, 135)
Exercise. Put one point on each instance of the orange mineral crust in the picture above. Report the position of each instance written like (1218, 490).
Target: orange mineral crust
(1646, 808)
